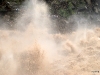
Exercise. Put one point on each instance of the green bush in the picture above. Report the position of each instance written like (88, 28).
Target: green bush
(65, 8)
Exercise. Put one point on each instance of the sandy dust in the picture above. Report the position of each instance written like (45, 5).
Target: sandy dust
(35, 50)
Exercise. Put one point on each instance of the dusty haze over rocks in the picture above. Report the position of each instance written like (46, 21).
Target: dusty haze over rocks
(39, 51)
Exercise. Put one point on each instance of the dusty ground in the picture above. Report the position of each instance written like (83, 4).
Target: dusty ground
(30, 53)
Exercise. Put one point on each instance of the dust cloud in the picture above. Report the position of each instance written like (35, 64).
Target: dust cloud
(33, 48)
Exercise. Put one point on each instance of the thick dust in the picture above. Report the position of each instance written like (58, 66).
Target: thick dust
(33, 49)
